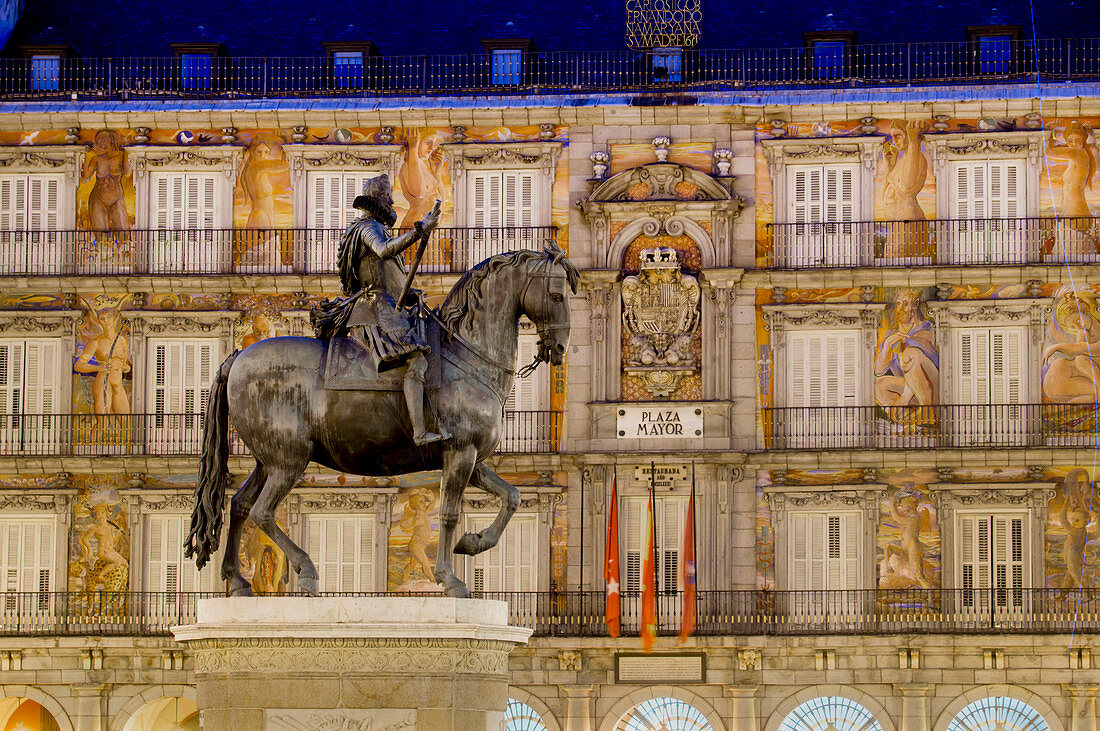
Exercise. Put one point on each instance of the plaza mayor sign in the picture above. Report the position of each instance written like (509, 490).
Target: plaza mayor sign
(660, 422)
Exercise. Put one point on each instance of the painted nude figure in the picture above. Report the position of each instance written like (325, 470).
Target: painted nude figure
(421, 175)
(104, 534)
(255, 180)
(1080, 169)
(907, 364)
(905, 178)
(111, 352)
(417, 522)
(1079, 523)
(107, 163)
(906, 568)
(1070, 376)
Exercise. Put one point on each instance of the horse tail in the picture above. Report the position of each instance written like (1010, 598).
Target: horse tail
(206, 518)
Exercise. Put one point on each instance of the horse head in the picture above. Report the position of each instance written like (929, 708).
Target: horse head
(545, 301)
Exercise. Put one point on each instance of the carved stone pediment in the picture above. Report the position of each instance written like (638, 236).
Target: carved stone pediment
(964, 495)
(302, 157)
(57, 323)
(984, 144)
(505, 155)
(43, 158)
(226, 158)
(662, 181)
(787, 497)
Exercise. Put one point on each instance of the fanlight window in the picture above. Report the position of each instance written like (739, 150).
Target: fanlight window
(998, 714)
(522, 717)
(832, 713)
(663, 714)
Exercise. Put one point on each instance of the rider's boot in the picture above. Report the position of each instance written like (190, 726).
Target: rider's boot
(414, 401)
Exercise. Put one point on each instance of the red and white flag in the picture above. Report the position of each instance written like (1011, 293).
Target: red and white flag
(612, 610)
(649, 583)
(687, 621)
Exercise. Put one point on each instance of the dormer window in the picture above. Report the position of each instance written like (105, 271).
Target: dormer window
(196, 64)
(993, 46)
(667, 65)
(45, 73)
(349, 62)
(828, 53)
(506, 60)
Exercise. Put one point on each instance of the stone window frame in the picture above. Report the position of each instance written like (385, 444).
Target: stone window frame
(61, 325)
(779, 153)
(537, 500)
(142, 502)
(225, 159)
(68, 159)
(948, 315)
(316, 500)
(951, 498)
(1026, 145)
(304, 157)
(784, 318)
(785, 499)
(541, 156)
(54, 498)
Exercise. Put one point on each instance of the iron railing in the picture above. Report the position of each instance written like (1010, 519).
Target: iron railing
(884, 64)
(181, 434)
(581, 613)
(943, 425)
(936, 242)
(236, 251)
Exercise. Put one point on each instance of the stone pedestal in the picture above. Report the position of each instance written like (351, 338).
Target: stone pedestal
(282, 663)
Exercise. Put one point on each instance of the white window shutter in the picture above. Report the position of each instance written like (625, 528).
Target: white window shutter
(673, 512)
(823, 551)
(634, 511)
(850, 551)
(181, 372)
(479, 203)
(28, 554)
(797, 391)
(1006, 365)
(823, 368)
(41, 379)
(44, 202)
(342, 547)
(798, 548)
(798, 201)
(525, 394)
(11, 376)
(973, 370)
(839, 193)
(13, 202)
(157, 578)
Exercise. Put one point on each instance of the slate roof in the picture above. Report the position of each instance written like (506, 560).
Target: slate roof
(407, 27)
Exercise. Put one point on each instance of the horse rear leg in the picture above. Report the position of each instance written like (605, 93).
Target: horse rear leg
(242, 502)
(485, 479)
(457, 466)
(278, 484)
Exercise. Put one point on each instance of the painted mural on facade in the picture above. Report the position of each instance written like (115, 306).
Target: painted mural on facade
(99, 544)
(905, 181)
(906, 366)
(908, 539)
(102, 366)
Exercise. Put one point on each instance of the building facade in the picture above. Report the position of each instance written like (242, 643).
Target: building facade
(860, 322)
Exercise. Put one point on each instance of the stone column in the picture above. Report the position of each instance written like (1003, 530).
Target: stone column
(744, 714)
(578, 707)
(292, 663)
(1082, 714)
(91, 706)
(914, 706)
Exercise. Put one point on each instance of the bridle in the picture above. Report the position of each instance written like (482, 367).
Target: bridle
(548, 342)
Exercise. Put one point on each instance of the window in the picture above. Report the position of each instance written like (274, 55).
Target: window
(986, 194)
(528, 425)
(829, 59)
(196, 70)
(832, 713)
(519, 716)
(180, 373)
(667, 65)
(993, 561)
(513, 564)
(27, 554)
(330, 195)
(166, 569)
(671, 512)
(347, 69)
(507, 66)
(824, 198)
(501, 210)
(31, 201)
(824, 379)
(996, 714)
(991, 378)
(823, 550)
(29, 390)
(183, 210)
(994, 54)
(663, 713)
(342, 548)
(45, 73)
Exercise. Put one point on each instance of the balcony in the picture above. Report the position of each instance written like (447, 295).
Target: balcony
(51, 435)
(922, 427)
(861, 66)
(941, 242)
(581, 614)
(235, 251)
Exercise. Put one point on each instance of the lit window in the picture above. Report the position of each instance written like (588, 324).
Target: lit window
(667, 65)
(347, 69)
(45, 73)
(663, 713)
(830, 712)
(994, 53)
(196, 69)
(507, 67)
(995, 714)
(522, 717)
(829, 59)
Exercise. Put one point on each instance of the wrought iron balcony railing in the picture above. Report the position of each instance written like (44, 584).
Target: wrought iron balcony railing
(943, 425)
(936, 242)
(581, 614)
(884, 64)
(235, 251)
(181, 434)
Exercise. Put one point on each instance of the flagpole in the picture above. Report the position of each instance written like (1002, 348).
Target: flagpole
(653, 527)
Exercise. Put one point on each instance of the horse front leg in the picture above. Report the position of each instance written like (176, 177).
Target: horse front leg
(280, 482)
(241, 504)
(457, 466)
(485, 479)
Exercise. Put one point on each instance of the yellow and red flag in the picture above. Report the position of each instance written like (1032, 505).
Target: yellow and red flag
(687, 621)
(649, 583)
(612, 609)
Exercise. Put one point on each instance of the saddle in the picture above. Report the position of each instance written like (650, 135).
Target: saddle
(349, 367)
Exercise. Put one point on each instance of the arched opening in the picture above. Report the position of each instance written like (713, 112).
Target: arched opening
(663, 714)
(998, 713)
(518, 716)
(830, 713)
(170, 713)
(23, 714)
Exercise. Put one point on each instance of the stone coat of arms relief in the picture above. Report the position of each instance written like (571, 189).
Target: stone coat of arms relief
(660, 313)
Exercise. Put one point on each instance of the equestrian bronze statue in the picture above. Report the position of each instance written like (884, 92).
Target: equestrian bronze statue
(385, 389)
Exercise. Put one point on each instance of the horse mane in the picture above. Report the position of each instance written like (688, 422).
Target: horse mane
(466, 296)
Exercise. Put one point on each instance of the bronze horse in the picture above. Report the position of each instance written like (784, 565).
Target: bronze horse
(273, 394)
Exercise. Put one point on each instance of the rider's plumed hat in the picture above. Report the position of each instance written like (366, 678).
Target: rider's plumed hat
(378, 191)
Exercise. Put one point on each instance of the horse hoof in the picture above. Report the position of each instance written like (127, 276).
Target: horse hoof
(469, 544)
(242, 590)
(308, 585)
(456, 589)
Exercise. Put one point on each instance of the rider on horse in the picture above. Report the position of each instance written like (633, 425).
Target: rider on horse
(373, 272)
